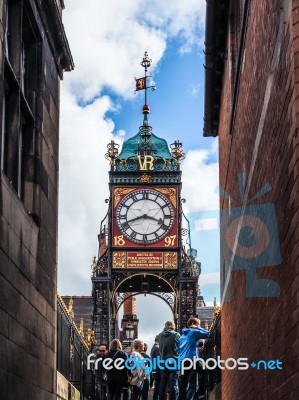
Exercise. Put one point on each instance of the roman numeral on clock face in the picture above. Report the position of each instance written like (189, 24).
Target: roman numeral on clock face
(125, 226)
(164, 227)
(134, 197)
(133, 235)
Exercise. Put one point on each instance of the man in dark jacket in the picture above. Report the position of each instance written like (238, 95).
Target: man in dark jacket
(169, 345)
(156, 374)
(101, 382)
(187, 350)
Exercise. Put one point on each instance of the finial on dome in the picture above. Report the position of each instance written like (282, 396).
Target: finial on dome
(145, 109)
(141, 83)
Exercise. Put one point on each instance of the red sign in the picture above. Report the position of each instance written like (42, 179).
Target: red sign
(143, 259)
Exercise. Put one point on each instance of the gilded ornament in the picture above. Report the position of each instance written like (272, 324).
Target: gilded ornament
(94, 265)
(70, 308)
(118, 192)
(145, 178)
(171, 192)
(170, 260)
(119, 260)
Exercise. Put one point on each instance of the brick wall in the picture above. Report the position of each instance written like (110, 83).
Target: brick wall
(264, 143)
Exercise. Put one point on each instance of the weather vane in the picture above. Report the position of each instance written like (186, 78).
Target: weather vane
(141, 83)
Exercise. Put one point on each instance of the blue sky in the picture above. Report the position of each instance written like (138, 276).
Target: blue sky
(108, 40)
(176, 112)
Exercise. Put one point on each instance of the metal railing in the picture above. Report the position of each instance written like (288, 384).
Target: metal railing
(72, 353)
(211, 378)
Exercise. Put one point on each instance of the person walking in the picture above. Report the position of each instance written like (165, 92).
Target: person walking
(101, 381)
(168, 344)
(146, 382)
(156, 374)
(187, 350)
(138, 373)
(116, 378)
(200, 386)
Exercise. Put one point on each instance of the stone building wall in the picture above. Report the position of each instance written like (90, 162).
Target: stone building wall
(34, 53)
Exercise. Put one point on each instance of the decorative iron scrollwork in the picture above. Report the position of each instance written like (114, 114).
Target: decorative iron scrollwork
(101, 312)
(121, 298)
(187, 303)
(184, 231)
(171, 278)
(160, 165)
(103, 264)
(119, 277)
(168, 297)
(186, 265)
(177, 151)
(112, 152)
(132, 165)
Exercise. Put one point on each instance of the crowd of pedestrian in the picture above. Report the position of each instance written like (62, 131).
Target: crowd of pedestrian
(161, 371)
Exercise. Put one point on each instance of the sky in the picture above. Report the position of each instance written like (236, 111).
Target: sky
(107, 41)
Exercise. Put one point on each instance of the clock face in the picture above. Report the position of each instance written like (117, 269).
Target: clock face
(145, 216)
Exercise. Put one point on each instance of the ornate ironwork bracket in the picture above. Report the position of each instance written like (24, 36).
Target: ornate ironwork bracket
(118, 297)
(168, 297)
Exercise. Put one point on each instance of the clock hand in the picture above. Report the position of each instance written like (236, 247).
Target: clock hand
(160, 221)
(136, 212)
(136, 219)
(145, 216)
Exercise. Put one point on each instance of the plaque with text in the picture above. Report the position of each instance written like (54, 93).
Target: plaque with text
(144, 260)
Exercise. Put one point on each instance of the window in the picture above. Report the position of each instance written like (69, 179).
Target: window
(22, 48)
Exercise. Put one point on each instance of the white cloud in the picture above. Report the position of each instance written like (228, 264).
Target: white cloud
(183, 19)
(200, 179)
(108, 38)
(211, 303)
(210, 278)
(83, 186)
(107, 42)
(194, 89)
(206, 224)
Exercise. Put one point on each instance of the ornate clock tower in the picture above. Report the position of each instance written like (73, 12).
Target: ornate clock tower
(143, 244)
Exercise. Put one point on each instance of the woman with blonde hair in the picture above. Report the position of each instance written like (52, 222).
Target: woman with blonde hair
(116, 378)
(138, 373)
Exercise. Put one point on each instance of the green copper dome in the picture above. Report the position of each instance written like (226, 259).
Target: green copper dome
(159, 147)
(146, 151)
